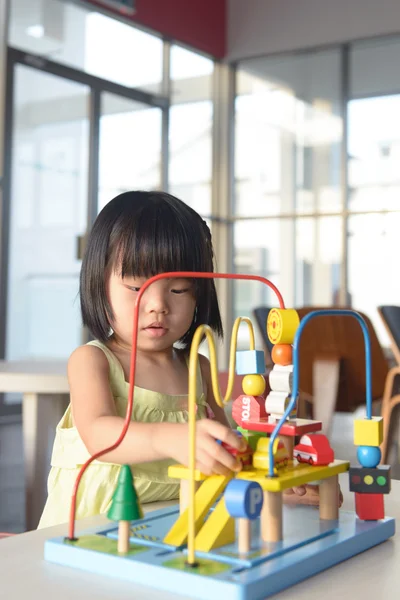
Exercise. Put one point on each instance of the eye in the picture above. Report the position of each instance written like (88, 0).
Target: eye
(133, 288)
(180, 291)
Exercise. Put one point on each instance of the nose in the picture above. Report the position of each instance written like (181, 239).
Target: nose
(155, 300)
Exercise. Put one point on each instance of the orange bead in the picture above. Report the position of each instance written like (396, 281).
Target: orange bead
(282, 354)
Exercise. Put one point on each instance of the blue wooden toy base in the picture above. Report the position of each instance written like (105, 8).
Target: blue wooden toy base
(309, 546)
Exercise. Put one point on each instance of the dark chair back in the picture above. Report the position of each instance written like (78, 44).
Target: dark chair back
(390, 316)
(261, 314)
(341, 337)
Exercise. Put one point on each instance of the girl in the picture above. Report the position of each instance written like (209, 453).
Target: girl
(135, 236)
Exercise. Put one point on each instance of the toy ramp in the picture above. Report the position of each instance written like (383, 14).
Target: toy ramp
(205, 497)
(218, 530)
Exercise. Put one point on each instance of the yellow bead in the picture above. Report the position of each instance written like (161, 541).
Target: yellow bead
(368, 479)
(261, 461)
(253, 385)
(282, 324)
(368, 432)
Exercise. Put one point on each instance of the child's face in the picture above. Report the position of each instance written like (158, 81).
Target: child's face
(165, 314)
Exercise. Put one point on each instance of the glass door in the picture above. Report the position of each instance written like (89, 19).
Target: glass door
(373, 203)
(48, 211)
(73, 144)
(130, 147)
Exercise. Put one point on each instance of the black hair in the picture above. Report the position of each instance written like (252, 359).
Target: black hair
(142, 234)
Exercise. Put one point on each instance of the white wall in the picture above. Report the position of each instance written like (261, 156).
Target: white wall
(259, 27)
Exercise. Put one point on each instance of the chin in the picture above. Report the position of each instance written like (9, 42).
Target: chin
(155, 345)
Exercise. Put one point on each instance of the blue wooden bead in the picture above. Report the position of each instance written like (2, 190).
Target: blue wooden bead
(244, 499)
(250, 362)
(369, 456)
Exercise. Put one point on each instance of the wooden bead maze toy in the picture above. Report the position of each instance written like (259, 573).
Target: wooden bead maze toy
(232, 537)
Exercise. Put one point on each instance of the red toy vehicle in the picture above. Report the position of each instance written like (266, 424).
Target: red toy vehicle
(246, 457)
(315, 449)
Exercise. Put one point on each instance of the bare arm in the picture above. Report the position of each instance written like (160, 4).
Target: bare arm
(95, 417)
(99, 426)
(206, 374)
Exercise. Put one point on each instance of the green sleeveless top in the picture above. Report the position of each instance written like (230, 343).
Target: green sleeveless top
(99, 481)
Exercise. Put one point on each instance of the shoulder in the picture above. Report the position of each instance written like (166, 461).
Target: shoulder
(204, 366)
(203, 360)
(87, 359)
(205, 370)
(217, 411)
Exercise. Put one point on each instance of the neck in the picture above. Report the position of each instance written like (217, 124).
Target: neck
(119, 346)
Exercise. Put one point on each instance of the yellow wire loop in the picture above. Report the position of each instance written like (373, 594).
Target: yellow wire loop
(232, 360)
(201, 331)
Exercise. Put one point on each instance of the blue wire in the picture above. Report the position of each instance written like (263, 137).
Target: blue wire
(295, 384)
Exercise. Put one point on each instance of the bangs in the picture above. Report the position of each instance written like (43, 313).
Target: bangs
(141, 234)
(157, 241)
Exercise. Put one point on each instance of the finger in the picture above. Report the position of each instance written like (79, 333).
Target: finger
(226, 458)
(300, 491)
(222, 456)
(213, 460)
(203, 462)
(207, 465)
(312, 489)
(202, 468)
(225, 434)
(219, 469)
(213, 468)
(306, 500)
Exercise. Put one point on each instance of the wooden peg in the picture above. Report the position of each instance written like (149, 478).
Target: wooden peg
(123, 536)
(244, 535)
(271, 517)
(329, 498)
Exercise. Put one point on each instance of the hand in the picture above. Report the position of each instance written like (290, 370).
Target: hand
(307, 495)
(211, 457)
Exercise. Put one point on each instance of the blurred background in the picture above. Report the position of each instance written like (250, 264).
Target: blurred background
(278, 121)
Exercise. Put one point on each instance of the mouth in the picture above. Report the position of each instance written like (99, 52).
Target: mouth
(156, 329)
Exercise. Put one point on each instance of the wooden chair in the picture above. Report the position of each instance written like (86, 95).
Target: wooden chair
(332, 364)
(390, 316)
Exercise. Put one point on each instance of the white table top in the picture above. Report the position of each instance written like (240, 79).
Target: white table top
(34, 376)
(24, 574)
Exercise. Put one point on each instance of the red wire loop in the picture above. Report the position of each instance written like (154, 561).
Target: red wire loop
(175, 274)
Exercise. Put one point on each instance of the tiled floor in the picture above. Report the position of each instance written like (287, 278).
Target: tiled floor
(12, 504)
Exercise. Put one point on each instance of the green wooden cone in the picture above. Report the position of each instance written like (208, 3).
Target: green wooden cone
(125, 505)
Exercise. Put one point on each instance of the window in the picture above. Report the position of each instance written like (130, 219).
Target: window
(294, 220)
(190, 132)
(130, 147)
(89, 41)
(287, 176)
